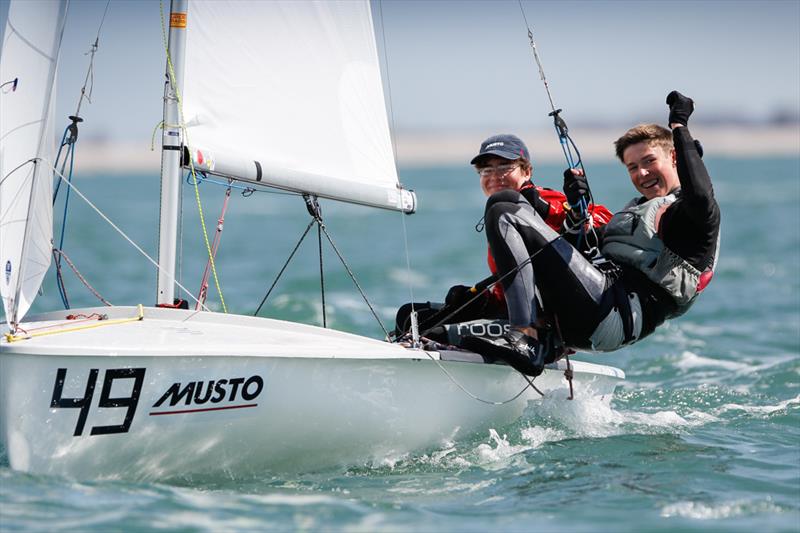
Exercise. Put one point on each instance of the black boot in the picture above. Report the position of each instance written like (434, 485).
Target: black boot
(550, 344)
(521, 352)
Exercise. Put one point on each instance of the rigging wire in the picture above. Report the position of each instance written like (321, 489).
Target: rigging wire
(478, 293)
(571, 153)
(394, 147)
(125, 236)
(316, 218)
(69, 139)
(90, 71)
(355, 281)
(312, 205)
(286, 264)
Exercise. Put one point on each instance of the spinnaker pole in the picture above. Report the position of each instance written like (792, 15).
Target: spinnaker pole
(171, 154)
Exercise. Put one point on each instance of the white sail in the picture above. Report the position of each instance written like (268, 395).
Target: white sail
(289, 93)
(28, 63)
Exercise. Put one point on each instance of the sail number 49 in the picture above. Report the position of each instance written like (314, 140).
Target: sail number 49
(106, 401)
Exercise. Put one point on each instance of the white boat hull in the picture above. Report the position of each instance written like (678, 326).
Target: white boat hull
(152, 414)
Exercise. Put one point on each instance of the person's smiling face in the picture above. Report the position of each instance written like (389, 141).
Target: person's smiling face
(497, 174)
(652, 169)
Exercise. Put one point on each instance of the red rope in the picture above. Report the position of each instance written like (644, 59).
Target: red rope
(80, 277)
(203, 293)
(568, 374)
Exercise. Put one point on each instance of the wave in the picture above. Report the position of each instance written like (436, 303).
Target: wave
(704, 511)
(689, 360)
(759, 410)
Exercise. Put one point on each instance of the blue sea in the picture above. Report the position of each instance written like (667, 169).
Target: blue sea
(704, 435)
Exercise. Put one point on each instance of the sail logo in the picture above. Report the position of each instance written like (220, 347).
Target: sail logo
(8, 272)
(212, 395)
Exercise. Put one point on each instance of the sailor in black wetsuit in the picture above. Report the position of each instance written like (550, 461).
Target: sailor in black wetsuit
(661, 250)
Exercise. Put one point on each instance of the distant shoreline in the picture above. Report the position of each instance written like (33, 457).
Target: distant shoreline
(433, 148)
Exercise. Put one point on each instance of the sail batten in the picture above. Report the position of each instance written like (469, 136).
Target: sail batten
(295, 86)
(27, 147)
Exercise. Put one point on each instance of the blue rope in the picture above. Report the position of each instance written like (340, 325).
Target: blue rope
(69, 155)
(202, 178)
(246, 191)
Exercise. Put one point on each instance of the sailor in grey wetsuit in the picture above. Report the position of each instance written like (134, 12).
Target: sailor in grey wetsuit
(661, 250)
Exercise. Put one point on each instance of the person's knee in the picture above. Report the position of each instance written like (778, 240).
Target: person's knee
(505, 196)
(501, 202)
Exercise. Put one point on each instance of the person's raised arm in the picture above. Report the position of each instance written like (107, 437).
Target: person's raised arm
(696, 187)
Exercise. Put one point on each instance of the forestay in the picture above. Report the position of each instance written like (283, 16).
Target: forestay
(31, 43)
(289, 94)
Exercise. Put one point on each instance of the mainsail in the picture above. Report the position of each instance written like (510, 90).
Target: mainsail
(289, 94)
(28, 63)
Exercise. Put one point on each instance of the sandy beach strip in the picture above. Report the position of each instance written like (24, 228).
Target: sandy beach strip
(434, 148)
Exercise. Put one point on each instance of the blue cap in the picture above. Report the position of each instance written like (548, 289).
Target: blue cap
(506, 146)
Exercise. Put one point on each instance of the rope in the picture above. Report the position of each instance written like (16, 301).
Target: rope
(567, 146)
(160, 125)
(182, 126)
(568, 373)
(124, 236)
(394, 147)
(201, 295)
(72, 130)
(69, 138)
(408, 261)
(286, 264)
(321, 275)
(316, 214)
(477, 295)
(229, 184)
(10, 337)
(355, 281)
(60, 254)
(62, 290)
(474, 396)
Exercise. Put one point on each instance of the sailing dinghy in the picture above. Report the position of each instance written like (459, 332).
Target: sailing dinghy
(281, 94)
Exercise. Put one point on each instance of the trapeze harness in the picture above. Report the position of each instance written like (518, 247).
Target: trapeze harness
(631, 240)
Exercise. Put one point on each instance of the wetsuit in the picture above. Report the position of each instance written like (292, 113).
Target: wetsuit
(549, 205)
(621, 301)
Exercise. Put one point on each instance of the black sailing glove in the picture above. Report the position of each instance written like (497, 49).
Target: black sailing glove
(530, 193)
(575, 187)
(680, 108)
(459, 295)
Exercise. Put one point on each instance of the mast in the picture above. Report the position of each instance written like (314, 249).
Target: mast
(171, 154)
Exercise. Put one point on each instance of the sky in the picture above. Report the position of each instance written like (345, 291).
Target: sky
(457, 65)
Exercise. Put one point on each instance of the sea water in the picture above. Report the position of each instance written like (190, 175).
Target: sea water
(703, 435)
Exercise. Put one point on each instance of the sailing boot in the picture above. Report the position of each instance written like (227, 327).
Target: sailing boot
(523, 353)
(551, 344)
